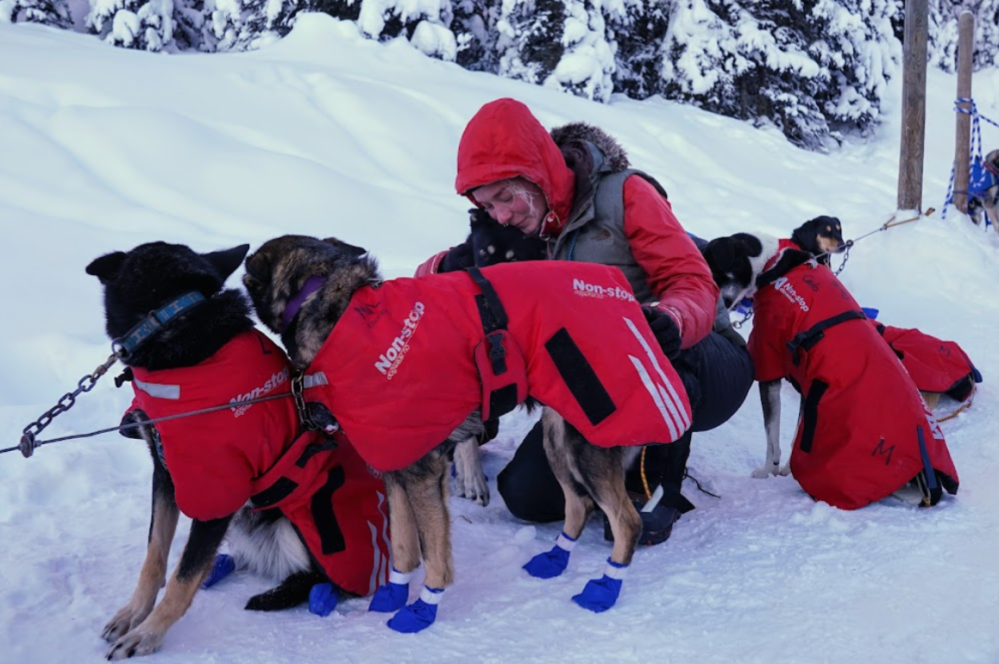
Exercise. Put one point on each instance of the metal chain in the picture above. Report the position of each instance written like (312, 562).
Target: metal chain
(29, 444)
(846, 257)
(65, 402)
(739, 323)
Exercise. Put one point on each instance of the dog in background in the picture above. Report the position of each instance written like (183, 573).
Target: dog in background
(490, 243)
(821, 237)
(863, 430)
(343, 287)
(983, 206)
(136, 283)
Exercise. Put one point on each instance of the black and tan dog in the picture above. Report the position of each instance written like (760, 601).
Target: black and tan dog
(163, 278)
(821, 237)
(311, 291)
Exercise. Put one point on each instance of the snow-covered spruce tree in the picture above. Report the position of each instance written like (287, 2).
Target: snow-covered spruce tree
(140, 24)
(560, 44)
(811, 67)
(474, 29)
(238, 25)
(942, 42)
(46, 12)
(638, 28)
(425, 23)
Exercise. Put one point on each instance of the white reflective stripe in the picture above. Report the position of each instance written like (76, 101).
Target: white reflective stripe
(676, 402)
(157, 390)
(432, 596)
(563, 542)
(395, 576)
(653, 390)
(615, 572)
(673, 402)
(314, 379)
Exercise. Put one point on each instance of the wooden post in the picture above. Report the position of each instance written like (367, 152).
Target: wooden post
(965, 62)
(910, 166)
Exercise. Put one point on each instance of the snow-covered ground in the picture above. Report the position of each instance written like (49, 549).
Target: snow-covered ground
(327, 134)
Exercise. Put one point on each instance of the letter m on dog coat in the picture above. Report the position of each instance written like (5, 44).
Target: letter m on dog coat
(401, 371)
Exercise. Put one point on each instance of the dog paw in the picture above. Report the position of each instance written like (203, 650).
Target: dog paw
(469, 480)
(761, 473)
(389, 597)
(136, 643)
(414, 618)
(785, 470)
(599, 594)
(123, 622)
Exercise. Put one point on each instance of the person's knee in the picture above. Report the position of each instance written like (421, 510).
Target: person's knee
(724, 377)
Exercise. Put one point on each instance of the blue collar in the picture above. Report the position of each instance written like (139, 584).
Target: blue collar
(124, 346)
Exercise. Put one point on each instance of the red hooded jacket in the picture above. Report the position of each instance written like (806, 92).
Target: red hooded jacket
(864, 428)
(221, 459)
(401, 374)
(504, 140)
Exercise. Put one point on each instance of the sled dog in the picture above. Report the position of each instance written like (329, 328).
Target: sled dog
(148, 279)
(863, 430)
(327, 299)
(820, 237)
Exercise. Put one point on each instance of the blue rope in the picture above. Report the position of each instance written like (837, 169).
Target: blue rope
(979, 177)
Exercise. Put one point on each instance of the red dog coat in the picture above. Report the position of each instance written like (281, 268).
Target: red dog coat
(401, 373)
(865, 431)
(220, 460)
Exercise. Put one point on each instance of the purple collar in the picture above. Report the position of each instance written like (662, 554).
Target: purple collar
(310, 286)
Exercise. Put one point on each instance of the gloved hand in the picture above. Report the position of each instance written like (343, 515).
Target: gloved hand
(665, 329)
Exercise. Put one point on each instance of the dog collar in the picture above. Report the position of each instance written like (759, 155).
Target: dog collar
(310, 286)
(154, 322)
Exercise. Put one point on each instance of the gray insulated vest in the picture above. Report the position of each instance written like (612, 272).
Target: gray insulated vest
(595, 234)
(595, 231)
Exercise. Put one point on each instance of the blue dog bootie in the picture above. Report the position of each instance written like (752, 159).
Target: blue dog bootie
(419, 615)
(550, 564)
(393, 595)
(323, 599)
(224, 566)
(601, 594)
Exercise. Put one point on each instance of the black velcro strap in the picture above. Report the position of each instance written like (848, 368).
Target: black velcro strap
(502, 401)
(810, 414)
(314, 449)
(816, 333)
(580, 377)
(330, 535)
(275, 493)
(490, 308)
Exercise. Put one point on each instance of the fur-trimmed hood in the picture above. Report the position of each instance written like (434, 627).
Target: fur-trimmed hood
(568, 136)
(504, 140)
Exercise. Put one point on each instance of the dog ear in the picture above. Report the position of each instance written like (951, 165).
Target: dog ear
(226, 261)
(350, 249)
(107, 266)
(258, 270)
(720, 254)
(479, 217)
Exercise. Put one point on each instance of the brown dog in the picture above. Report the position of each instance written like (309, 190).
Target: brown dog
(303, 288)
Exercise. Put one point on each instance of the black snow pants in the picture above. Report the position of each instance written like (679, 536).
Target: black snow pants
(717, 373)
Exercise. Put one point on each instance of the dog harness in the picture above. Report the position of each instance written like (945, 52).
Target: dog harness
(933, 364)
(864, 431)
(253, 452)
(410, 359)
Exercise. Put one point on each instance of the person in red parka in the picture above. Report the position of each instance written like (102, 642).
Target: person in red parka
(574, 189)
